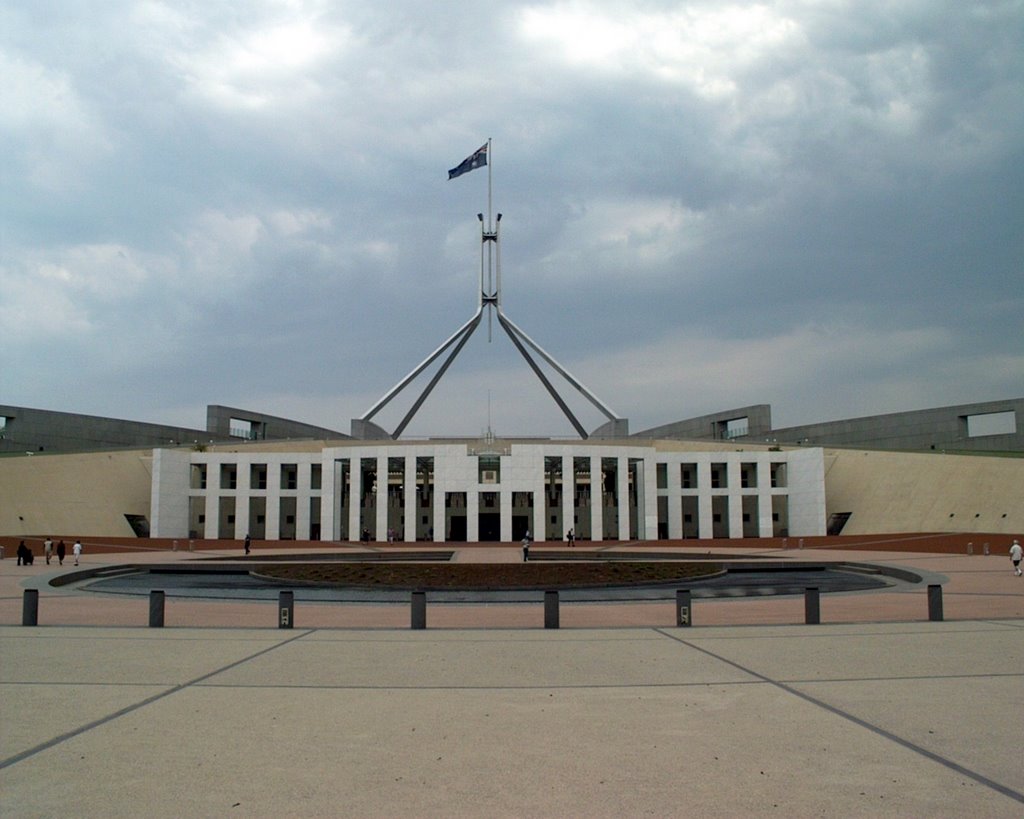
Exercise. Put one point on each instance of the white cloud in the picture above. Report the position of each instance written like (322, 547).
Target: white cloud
(702, 47)
(262, 61)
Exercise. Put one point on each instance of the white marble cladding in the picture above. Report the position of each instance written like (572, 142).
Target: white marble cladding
(799, 496)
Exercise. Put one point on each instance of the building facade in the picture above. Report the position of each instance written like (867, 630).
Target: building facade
(487, 490)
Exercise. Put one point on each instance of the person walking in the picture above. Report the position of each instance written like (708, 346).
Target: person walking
(248, 543)
(61, 551)
(1015, 555)
(526, 547)
(77, 549)
(47, 549)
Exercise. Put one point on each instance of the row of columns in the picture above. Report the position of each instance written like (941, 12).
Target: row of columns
(508, 484)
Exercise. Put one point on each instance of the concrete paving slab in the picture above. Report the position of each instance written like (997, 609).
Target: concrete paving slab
(932, 713)
(481, 660)
(633, 722)
(844, 654)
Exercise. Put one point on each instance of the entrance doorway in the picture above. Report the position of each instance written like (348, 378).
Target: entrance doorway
(490, 526)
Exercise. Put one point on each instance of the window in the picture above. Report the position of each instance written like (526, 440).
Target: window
(315, 476)
(239, 428)
(258, 476)
(662, 472)
(198, 476)
(719, 476)
(736, 428)
(489, 469)
(991, 423)
(228, 476)
(688, 476)
(289, 476)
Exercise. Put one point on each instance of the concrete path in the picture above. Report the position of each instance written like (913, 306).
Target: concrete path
(877, 712)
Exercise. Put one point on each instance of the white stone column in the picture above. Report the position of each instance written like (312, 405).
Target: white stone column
(505, 504)
(568, 496)
(622, 481)
(273, 525)
(735, 499)
(411, 501)
(381, 522)
(596, 499)
(170, 489)
(302, 494)
(675, 499)
(647, 498)
(440, 490)
(355, 482)
(705, 522)
(330, 498)
(472, 513)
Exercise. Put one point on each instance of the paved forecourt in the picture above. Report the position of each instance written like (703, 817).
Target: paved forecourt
(855, 720)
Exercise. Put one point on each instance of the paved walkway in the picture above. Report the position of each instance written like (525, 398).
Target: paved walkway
(877, 712)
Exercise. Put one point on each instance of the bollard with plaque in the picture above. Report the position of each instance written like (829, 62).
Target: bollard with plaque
(684, 611)
(286, 609)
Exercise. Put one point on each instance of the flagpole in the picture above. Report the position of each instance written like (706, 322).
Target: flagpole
(490, 165)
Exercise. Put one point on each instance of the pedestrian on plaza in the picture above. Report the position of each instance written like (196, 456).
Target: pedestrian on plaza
(248, 543)
(61, 551)
(571, 537)
(76, 550)
(22, 554)
(47, 549)
(526, 547)
(1015, 555)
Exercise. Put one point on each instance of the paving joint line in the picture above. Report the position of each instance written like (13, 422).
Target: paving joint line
(89, 726)
(875, 729)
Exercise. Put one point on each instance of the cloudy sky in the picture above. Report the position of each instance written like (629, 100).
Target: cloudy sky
(817, 205)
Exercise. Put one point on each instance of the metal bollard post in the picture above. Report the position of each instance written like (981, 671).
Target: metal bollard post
(551, 609)
(684, 612)
(970, 548)
(191, 545)
(985, 548)
(935, 603)
(156, 609)
(419, 610)
(174, 546)
(30, 608)
(812, 606)
(286, 609)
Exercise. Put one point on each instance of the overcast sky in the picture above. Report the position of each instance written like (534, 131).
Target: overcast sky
(815, 205)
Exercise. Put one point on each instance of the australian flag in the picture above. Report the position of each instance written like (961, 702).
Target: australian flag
(475, 160)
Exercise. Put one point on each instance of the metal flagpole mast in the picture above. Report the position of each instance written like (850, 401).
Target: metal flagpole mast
(489, 299)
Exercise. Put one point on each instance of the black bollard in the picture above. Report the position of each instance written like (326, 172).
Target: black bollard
(551, 609)
(935, 603)
(30, 608)
(812, 606)
(286, 609)
(156, 609)
(684, 612)
(419, 610)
